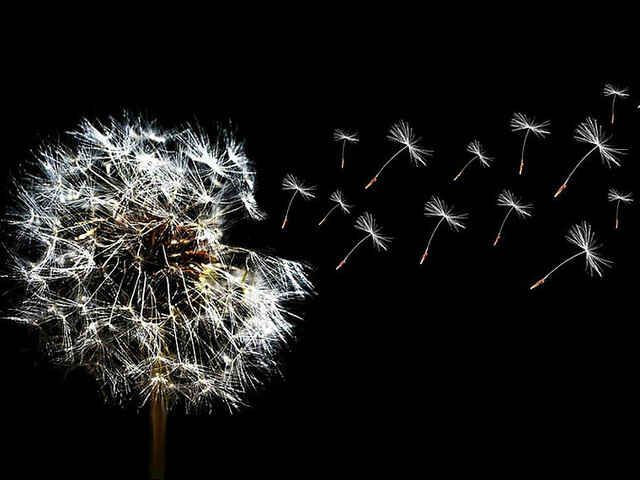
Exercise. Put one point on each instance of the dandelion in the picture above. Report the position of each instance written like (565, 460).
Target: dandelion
(339, 201)
(521, 122)
(611, 91)
(508, 199)
(121, 248)
(437, 208)
(590, 132)
(367, 224)
(344, 137)
(618, 196)
(582, 236)
(292, 183)
(478, 152)
(403, 134)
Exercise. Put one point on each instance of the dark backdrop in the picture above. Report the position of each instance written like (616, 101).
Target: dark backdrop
(397, 367)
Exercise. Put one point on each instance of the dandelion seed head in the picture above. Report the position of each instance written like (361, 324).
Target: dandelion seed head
(522, 122)
(590, 132)
(617, 195)
(368, 224)
(338, 198)
(402, 133)
(435, 207)
(476, 148)
(340, 135)
(508, 199)
(292, 183)
(610, 90)
(121, 250)
(583, 237)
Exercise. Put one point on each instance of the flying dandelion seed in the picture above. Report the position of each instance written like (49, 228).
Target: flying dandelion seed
(611, 91)
(120, 248)
(478, 152)
(590, 132)
(367, 223)
(521, 122)
(292, 183)
(340, 202)
(618, 196)
(508, 199)
(403, 134)
(344, 137)
(437, 208)
(582, 236)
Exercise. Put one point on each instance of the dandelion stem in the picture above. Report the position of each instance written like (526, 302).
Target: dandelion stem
(617, 208)
(547, 275)
(429, 242)
(384, 166)
(574, 169)
(286, 215)
(526, 135)
(352, 250)
(468, 163)
(158, 415)
(344, 142)
(502, 226)
(329, 213)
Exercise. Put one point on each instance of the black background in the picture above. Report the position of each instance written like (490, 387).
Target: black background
(451, 366)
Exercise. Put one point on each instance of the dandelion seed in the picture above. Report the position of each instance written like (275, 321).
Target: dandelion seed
(340, 202)
(508, 199)
(403, 134)
(121, 248)
(611, 91)
(478, 152)
(368, 224)
(590, 132)
(344, 137)
(582, 236)
(619, 196)
(437, 208)
(521, 122)
(292, 183)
